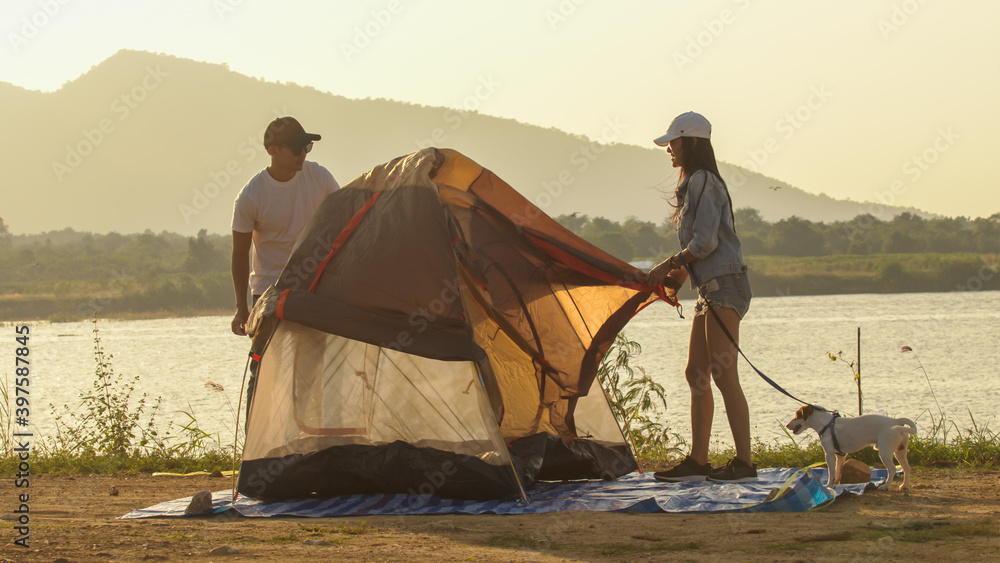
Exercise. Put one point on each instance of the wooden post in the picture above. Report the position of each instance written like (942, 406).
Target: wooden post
(859, 372)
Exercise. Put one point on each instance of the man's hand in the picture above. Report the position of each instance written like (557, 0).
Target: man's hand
(240, 323)
(240, 266)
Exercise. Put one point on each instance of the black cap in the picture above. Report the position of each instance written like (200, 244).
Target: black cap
(288, 131)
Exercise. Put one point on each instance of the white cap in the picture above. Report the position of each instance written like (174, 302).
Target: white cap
(688, 124)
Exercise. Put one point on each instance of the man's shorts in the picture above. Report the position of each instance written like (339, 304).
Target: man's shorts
(731, 291)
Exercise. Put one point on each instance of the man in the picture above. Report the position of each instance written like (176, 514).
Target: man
(271, 209)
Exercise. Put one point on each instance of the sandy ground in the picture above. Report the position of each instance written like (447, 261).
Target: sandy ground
(948, 515)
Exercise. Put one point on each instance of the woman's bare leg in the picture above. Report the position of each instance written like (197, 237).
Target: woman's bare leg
(698, 373)
(723, 361)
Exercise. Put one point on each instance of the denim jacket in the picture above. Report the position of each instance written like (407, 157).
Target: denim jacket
(706, 227)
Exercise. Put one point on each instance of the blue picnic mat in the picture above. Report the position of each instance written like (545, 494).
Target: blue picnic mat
(794, 490)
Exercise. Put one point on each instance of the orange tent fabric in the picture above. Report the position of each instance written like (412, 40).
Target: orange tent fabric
(433, 329)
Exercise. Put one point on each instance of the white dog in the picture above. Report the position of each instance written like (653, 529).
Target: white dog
(843, 435)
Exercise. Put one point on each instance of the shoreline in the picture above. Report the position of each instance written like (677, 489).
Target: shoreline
(763, 291)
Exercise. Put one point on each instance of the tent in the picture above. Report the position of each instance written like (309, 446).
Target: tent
(434, 332)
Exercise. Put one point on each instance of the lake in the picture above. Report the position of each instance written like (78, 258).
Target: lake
(955, 335)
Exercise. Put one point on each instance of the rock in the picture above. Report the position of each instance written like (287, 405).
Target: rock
(886, 540)
(114, 491)
(215, 473)
(200, 502)
(224, 550)
(9, 516)
(855, 471)
(317, 542)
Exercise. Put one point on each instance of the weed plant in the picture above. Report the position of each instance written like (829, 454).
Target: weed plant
(112, 431)
(108, 422)
(634, 398)
(6, 420)
(855, 372)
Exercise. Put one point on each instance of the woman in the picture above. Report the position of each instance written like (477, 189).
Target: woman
(704, 219)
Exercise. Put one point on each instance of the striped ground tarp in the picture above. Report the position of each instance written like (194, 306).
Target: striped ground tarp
(790, 490)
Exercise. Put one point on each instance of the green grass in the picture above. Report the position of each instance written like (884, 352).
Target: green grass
(874, 273)
(971, 448)
(178, 537)
(359, 529)
(977, 448)
(796, 546)
(290, 537)
(315, 530)
(91, 463)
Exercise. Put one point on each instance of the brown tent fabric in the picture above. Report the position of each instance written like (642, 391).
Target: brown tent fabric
(434, 331)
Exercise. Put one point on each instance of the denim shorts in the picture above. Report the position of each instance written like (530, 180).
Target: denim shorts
(731, 291)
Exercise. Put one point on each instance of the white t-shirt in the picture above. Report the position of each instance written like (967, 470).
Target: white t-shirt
(275, 212)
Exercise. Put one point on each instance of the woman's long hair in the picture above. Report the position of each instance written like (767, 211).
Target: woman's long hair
(695, 156)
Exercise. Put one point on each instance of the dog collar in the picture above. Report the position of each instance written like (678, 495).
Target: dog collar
(833, 418)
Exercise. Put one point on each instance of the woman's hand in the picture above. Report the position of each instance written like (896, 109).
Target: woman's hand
(659, 272)
(668, 274)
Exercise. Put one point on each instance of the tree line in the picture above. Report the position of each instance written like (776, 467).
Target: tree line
(63, 275)
(864, 235)
(67, 275)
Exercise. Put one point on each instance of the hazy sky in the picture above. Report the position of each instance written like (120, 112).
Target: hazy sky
(892, 101)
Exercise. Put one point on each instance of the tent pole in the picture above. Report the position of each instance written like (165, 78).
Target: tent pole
(510, 458)
(239, 404)
(236, 433)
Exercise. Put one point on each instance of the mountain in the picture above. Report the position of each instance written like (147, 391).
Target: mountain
(151, 141)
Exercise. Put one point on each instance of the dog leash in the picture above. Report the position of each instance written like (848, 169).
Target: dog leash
(733, 340)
